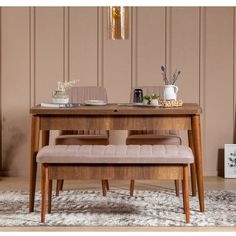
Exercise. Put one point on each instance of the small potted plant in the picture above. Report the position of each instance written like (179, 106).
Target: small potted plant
(154, 100)
(151, 100)
(147, 100)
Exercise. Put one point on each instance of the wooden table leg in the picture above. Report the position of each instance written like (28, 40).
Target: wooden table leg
(196, 129)
(35, 134)
(192, 166)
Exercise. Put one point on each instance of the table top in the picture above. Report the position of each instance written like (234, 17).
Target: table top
(118, 109)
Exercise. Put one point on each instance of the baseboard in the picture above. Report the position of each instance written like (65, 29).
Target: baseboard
(4, 173)
(211, 173)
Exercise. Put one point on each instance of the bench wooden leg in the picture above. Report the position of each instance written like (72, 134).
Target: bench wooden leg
(104, 188)
(132, 182)
(193, 179)
(49, 196)
(183, 191)
(44, 189)
(177, 187)
(186, 193)
(59, 186)
(107, 184)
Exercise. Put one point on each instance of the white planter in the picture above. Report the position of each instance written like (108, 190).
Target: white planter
(154, 102)
(145, 101)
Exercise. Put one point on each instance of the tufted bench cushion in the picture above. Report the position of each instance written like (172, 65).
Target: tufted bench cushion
(116, 154)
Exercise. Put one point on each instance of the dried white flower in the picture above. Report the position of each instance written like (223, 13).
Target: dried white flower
(62, 86)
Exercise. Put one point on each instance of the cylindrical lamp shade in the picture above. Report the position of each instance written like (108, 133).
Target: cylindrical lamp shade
(118, 23)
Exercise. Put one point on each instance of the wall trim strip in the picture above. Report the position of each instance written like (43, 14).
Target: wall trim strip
(33, 40)
(168, 40)
(0, 90)
(202, 72)
(32, 56)
(134, 49)
(100, 49)
(234, 71)
(66, 44)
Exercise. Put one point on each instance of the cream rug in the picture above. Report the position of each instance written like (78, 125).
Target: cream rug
(146, 208)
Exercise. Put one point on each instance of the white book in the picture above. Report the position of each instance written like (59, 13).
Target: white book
(59, 105)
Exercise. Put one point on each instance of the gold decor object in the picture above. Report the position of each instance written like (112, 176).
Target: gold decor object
(171, 103)
(118, 23)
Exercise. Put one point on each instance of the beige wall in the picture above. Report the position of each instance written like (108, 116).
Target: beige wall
(40, 46)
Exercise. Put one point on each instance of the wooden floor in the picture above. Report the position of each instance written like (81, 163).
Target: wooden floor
(210, 183)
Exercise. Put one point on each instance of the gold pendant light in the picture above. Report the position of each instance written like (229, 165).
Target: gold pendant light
(118, 23)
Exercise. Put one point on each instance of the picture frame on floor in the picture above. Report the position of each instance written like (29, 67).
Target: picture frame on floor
(230, 161)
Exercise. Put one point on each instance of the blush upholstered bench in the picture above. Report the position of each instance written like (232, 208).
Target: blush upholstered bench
(113, 162)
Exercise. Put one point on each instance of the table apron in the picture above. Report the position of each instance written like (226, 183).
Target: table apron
(116, 171)
(180, 122)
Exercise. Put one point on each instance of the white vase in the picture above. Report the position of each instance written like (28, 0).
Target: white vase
(170, 92)
(60, 97)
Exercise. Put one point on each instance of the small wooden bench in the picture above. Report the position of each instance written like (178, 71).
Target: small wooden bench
(109, 162)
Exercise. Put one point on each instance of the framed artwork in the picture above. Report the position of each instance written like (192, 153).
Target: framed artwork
(230, 161)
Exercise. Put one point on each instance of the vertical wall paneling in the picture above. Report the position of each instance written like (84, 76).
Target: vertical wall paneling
(234, 75)
(184, 48)
(0, 90)
(15, 90)
(49, 51)
(168, 39)
(100, 46)
(133, 35)
(218, 83)
(150, 45)
(83, 45)
(32, 55)
(202, 78)
(66, 51)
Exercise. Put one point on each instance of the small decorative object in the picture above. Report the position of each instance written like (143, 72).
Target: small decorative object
(230, 161)
(171, 103)
(151, 100)
(60, 94)
(138, 96)
(170, 90)
(154, 100)
(173, 79)
(147, 100)
(118, 22)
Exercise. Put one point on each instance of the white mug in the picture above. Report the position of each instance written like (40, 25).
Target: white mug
(170, 92)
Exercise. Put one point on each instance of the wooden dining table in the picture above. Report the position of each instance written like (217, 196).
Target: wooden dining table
(116, 117)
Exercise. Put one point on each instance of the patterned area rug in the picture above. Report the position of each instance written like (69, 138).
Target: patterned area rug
(146, 208)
